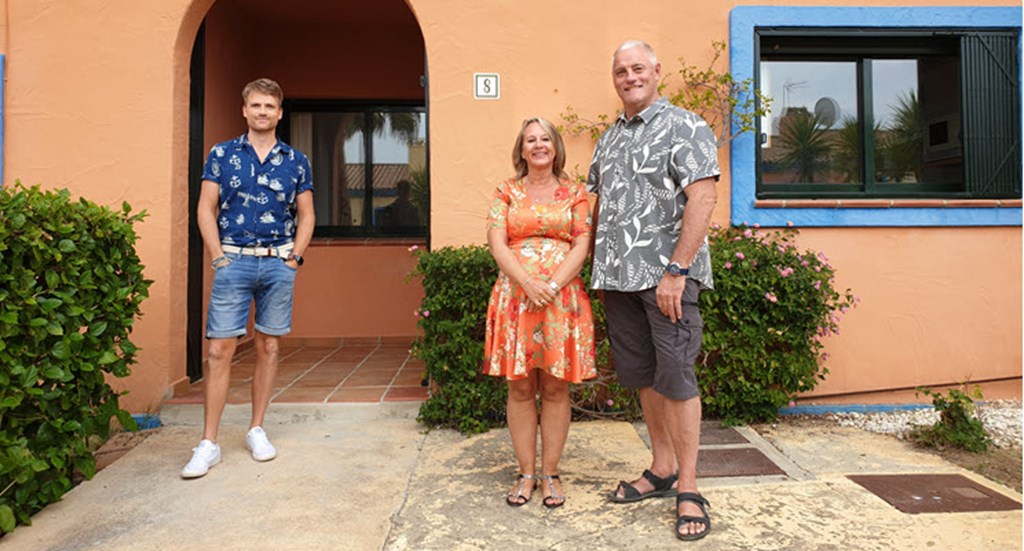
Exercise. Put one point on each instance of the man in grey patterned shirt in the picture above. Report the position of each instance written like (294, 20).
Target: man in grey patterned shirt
(654, 171)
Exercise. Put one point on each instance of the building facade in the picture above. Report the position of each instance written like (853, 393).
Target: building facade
(412, 106)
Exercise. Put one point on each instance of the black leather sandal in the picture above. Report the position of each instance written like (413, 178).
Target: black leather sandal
(682, 520)
(662, 488)
(518, 499)
(554, 500)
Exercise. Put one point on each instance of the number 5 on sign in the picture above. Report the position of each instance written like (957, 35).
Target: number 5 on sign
(486, 86)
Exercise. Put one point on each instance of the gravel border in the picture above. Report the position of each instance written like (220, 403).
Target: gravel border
(1001, 419)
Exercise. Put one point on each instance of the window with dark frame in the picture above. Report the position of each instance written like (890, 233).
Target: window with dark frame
(369, 164)
(889, 113)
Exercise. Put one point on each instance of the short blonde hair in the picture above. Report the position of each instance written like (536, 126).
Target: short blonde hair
(557, 167)
(263, 86)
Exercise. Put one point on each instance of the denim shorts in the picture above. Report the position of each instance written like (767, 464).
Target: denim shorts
(648, 349)
(267, 280)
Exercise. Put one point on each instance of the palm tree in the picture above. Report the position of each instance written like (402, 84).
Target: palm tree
(902, 143)
(806, 146)
(403, 124)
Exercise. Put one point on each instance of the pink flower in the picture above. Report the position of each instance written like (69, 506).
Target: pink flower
(824, 356)
(426, 313)
(740, 256)
(817, 285)
(748, 233)
(792, 403)
(771, 297)
(757, 226)
(785, 272)
(413, 248)
(610, 402)
(715, 226)
(789, 223)
(817, 268)
(728, 265)
(823, 257)
(415, 313)
(804, 263)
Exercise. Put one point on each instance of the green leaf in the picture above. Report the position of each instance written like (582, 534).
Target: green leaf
(97, 328)
(6, 518)
(61, 350)
(108, 357)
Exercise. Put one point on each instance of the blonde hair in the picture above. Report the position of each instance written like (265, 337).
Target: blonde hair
(557, 167)
(263, 86)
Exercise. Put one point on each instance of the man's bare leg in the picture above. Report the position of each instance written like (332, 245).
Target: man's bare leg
(216, 381)
(663, 456)
(683, 422)
(267, 350)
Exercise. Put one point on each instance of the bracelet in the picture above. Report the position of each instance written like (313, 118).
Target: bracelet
(220, 262)
(553, 285)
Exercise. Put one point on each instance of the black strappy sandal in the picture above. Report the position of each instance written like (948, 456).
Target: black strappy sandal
(686, 519)
(662, 488)
(513, 500)
(552, 501)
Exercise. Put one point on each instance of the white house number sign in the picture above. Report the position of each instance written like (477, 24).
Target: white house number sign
(486, 86)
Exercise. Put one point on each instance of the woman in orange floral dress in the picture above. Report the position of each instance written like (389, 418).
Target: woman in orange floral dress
(540, 329)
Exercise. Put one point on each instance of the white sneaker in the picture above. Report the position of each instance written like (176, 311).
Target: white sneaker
(262, 449)
(204, 456)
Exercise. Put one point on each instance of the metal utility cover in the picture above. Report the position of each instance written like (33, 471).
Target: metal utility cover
(934, 493)
(712, 433)
(735, 462)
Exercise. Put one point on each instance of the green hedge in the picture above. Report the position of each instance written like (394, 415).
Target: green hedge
(70, 289)
(764, 322)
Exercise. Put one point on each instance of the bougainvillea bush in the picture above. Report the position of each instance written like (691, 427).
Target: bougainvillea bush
(764, 322)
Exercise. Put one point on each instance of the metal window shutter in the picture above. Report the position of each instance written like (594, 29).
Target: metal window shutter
(990, 72)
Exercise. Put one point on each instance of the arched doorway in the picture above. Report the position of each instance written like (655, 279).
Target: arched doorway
(354, 77)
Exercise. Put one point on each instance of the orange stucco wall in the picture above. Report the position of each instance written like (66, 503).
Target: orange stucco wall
(105, 114)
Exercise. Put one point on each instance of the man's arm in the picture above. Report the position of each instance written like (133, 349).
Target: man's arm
(305, 224)
(206, 217)
(701, 197)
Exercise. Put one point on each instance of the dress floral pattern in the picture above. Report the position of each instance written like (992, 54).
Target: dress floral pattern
(559, 338)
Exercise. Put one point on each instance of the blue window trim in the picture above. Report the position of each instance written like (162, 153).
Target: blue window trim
(742, 22)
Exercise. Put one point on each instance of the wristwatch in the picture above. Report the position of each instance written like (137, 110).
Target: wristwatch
(676, 270)
(298, 259)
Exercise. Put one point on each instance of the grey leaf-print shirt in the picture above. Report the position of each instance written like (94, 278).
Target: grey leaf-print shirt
(640, 168)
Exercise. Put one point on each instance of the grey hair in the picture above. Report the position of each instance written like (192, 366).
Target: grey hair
(636, 44)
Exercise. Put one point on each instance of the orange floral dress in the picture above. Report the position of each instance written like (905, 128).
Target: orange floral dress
(559, 338)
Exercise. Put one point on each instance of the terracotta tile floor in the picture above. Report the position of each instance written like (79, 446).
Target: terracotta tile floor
(353, 370)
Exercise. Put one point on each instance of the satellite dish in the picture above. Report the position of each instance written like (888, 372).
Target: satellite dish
(827, 110)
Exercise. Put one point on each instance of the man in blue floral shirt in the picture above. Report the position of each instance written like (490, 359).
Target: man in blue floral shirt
(654, 171)
(256, 217)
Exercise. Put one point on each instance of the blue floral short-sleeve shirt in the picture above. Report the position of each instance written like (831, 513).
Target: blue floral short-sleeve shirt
(257, 199)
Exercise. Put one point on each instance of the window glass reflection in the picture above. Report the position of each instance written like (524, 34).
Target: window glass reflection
(810, 135)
